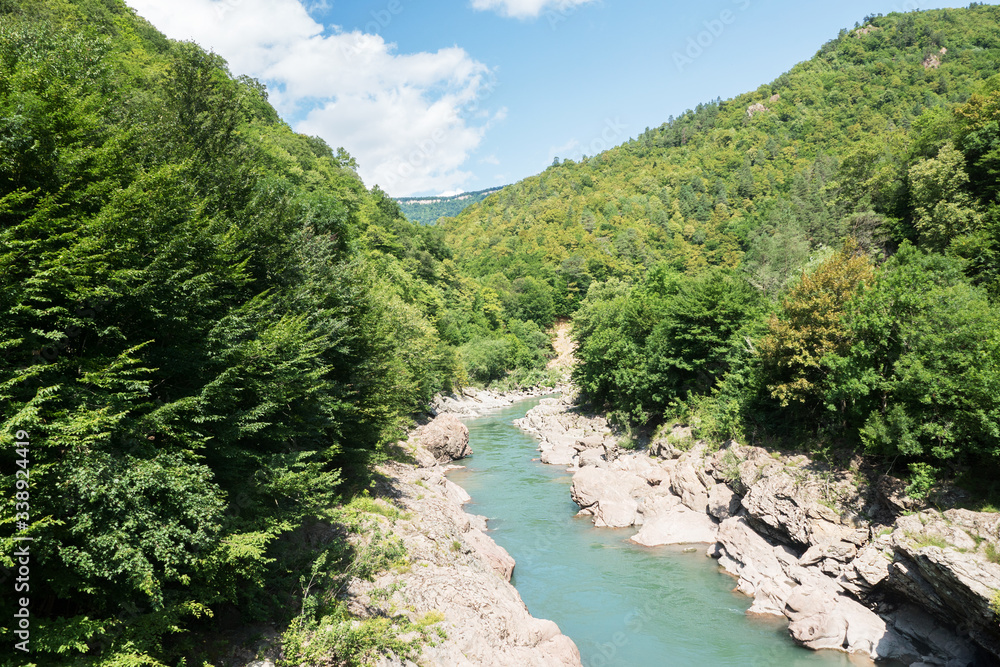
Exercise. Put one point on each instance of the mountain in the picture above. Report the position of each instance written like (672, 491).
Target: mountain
(721, 184)
(814, 264)
(428, 210)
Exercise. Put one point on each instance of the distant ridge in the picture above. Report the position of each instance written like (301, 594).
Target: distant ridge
(428, 210)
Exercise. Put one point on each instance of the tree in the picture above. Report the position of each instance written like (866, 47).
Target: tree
(809, 326)
(924, 369)
(942, 206)
(690, 349)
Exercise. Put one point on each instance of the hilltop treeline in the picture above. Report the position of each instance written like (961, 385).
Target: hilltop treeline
(210, 331)
(428, 210)
(813, 262)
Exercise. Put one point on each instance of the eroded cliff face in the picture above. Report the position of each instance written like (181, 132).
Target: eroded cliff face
(455, 570)
(840, 558)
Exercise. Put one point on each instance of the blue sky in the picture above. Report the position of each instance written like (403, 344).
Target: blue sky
(457, 95)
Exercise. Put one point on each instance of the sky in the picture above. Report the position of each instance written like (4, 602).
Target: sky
(448, 96)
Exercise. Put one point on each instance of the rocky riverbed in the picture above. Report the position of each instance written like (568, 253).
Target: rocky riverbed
(854, 566)
(471, 402)
(455, 569)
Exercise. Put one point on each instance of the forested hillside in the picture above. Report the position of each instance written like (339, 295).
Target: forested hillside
(755, 180)
(210, 331)
(813, 263)
(428, 210)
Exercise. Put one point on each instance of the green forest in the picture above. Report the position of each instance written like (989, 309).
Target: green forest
(813, 264)
(428, 210)
(212, 330)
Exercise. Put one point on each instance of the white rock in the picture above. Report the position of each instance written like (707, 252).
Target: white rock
(667, 521)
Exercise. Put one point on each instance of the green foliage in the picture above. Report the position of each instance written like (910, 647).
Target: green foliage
(928, 359)
(942, 205)
(723, 184)
(809, 326)
(922, 478)
(211, 330)
(338, 639)
(647, 348)
(707, 244)
(504, 359)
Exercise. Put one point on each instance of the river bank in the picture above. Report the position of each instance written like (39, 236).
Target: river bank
(471, 402)
(839, 558)
(455, 572)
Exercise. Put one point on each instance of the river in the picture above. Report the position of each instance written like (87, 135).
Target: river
(623, 605)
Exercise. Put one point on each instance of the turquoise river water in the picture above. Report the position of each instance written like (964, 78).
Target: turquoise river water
(623, 605)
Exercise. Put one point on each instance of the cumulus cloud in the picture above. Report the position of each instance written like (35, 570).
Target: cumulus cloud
(523, 9)
(411, 120)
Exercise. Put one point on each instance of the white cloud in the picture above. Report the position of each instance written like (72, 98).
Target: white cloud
(523, 9)
(490, 159)
(407, 118)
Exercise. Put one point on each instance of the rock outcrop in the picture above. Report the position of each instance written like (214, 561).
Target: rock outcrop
(809, 542)
(444, 439)
(455, 569)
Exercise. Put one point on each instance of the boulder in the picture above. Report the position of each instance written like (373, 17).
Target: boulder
(821, 620)
(776, 505)
(558, 455)
(446, 438)
(590, 457)
(665, 520)
(610, 496)
(840, 552)
(747, 555)
(454, 492)
(952, 586)
(592, 441)
(868, 569)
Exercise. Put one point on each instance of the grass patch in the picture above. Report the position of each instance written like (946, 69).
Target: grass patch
(627, 443)
(921, 540)
(430, 619)
(992, 553)
(365, 504)
(338, 638)
(730, 466)
(325, 632)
